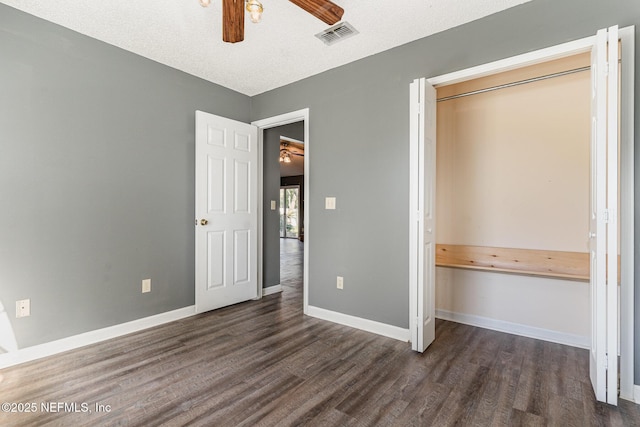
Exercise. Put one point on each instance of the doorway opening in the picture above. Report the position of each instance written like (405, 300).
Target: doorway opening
(283, 256)
(282, 189)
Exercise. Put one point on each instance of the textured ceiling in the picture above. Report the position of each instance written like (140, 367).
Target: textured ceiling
(279, 50)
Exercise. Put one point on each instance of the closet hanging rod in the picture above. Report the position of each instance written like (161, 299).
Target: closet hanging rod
(518, 83)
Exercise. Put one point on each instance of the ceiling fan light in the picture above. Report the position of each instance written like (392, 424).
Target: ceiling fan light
(254, 7)
(287, 158)
(205, 3)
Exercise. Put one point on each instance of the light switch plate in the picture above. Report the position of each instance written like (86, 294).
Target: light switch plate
(146, 286)
(330, 203)
(273, 205)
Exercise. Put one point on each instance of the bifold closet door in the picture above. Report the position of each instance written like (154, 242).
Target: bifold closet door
(603, 231)
(422, 263)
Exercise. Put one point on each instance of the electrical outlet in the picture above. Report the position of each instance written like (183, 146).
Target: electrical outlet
(340, 282)
(23, 308)
(146, 285)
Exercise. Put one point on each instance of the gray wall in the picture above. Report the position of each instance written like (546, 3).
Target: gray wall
(271, 219)
(96, 179)
(271, 191)
(361, 111)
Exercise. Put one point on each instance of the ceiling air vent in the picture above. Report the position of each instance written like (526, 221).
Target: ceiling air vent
(340, 31)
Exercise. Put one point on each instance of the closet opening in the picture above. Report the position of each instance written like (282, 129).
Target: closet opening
(512, 196)
(499, 237)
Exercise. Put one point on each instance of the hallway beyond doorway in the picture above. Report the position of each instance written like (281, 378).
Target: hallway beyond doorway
(291, 262)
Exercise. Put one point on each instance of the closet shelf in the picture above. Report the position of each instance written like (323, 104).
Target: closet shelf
(557, 264)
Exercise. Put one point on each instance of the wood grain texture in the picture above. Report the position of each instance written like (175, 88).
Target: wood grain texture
(325, 10)
(232, 21)
(567, 265)
(263, 363)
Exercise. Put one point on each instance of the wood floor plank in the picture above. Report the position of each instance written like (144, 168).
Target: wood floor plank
(425, 406)
(526, 419)
(263, 363)
(496, 399)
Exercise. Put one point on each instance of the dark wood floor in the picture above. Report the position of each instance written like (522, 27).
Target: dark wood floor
(265, 363)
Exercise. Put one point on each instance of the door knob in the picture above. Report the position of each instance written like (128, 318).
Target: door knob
(204, 222)
(592, 235)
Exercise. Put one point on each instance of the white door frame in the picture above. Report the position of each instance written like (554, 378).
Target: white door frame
(271, 122)
(626, 175)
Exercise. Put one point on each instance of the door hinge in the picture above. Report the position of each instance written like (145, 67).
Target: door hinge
(606, 69)
(417, 322)
(606, 361)
(609, 216)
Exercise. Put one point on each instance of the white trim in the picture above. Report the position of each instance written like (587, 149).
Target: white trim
(285, 119)
(516, 329)
(28, 354)
(633, 396)
(518, 61)
(383, 329)
(274, 289)
(636, 395)
(260, 211)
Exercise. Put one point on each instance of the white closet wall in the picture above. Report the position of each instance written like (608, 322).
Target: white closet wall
(513, 172)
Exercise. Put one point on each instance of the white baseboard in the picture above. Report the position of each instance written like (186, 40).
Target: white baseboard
(271, 290)
(28, 354)
(516, 329)
(634, 397)
(360, 323)
(636, 394)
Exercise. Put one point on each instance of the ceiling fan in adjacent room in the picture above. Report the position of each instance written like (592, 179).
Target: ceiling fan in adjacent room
(286, 152)
(233, 14)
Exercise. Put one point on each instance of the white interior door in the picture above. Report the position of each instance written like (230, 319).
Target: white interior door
(226, 211)
(603, 233)
(422, 224)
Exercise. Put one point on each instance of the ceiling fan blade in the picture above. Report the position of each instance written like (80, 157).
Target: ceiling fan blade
(232, 20)
(325, 10)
